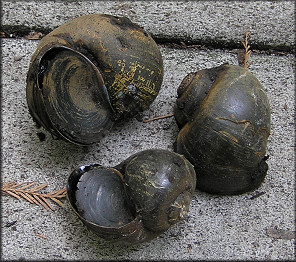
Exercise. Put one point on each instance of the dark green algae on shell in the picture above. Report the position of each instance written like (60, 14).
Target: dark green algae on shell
(135, 201)
(224, 119)
(91, 72)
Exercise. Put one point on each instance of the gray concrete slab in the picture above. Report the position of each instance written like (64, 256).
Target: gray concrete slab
(217, 227)
(272, 23)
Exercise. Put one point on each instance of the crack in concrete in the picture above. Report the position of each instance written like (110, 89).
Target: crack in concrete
(16, 31)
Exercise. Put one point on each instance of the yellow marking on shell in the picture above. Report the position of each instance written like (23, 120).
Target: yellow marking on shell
(260, 154)
(118, 173)
(127, 76)
(103, 48)
(138, 35)
(140, 78)
(247, 123)
(139, 177)
(238, 78)
(143, 178)
(229, 136)
(155, 185)
(177, 205)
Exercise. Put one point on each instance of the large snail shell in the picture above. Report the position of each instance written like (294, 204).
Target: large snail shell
(135, 201)
(90, 72)
(224, 116)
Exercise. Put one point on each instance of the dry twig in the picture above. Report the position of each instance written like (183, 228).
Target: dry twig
(248, 52)
(39, 235)
(35, 36)
(28, 191)
(157, 118)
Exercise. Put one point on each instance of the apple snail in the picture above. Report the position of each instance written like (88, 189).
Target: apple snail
(224, 118)
(136, 200)
(90, 73)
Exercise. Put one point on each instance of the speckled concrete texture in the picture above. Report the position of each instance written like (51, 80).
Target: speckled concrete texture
(258, 225)
(271, 22)
(217, 227)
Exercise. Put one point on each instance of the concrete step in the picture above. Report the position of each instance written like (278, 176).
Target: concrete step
(212, 23)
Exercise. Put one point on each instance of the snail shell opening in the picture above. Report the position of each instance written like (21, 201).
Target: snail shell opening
(97, 196)
(74, 96)
(100, 198)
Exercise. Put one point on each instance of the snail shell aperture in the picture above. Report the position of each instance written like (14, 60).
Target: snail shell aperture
(91, 72)
(224, 119)
(135, 201)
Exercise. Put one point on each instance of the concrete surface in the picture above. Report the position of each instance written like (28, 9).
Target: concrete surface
(272, 23)
(217, 227)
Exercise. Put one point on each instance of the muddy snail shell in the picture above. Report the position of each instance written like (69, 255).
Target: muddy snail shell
(91, 72)
(224, 119)
(136, 200)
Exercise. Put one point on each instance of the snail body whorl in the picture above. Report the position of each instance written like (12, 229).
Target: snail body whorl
(225, 131)
(91, 72)
(160, 184)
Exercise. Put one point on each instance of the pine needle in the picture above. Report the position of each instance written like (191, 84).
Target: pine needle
(28, 191)
(58, 193)
(37, 188)
(26, 186)
(14, 185)
(22, 194)
(34, 200)
(57, 201)
(47, 203)
(13, 194)
(248, 52)
(9, 184)
(41, 202)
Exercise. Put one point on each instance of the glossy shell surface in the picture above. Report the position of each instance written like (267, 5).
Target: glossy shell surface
(224, 131)
(135, 201)
(91, 72)
(160, 185)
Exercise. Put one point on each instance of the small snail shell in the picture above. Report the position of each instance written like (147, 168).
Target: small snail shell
(224, 117)
(135, 201)
(91, 72)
